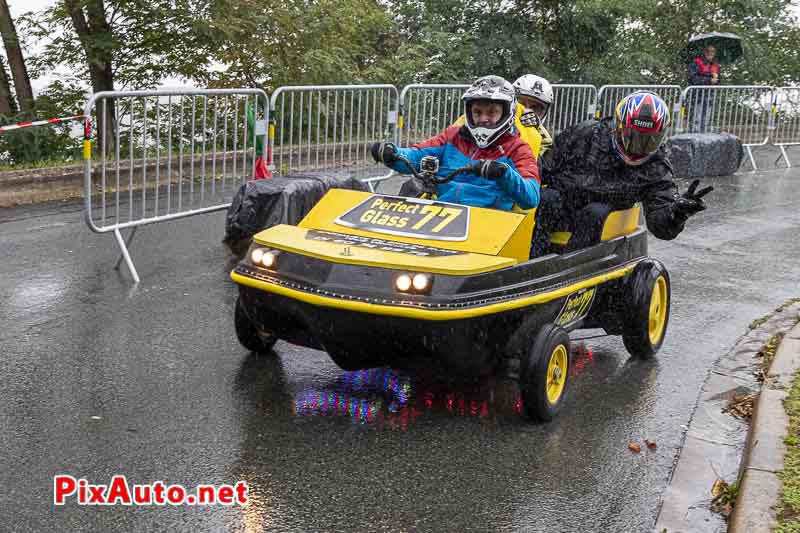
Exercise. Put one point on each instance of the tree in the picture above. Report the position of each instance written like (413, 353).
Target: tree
(7, 107)
(268, 44)
(22, 83)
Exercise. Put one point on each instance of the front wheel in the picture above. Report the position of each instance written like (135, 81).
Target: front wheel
(255, 340)
(647, 295)
(544, 374)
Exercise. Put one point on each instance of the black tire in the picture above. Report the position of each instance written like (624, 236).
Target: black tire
(544, 374)
(645, 319)
(255, 340)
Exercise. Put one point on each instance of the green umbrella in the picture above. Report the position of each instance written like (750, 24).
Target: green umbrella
(728, 45)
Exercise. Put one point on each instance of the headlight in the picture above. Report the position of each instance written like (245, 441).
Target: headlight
(420, 282)
(263, 257)
(403, 282)
(268, 260)
(413, 283)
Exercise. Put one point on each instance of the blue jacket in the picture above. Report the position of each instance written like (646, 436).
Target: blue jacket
(455, 148)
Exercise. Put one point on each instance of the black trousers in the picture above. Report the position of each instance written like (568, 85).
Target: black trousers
(556, 212)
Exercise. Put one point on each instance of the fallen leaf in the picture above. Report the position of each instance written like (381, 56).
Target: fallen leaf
(741, 405)
(650, 444)
(634, 447)
(718, 487)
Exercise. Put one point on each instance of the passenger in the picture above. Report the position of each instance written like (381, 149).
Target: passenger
(507, 171)
(535, 95)
(600, 166)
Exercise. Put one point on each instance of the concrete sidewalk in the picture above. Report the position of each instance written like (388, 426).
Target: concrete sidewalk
(718, 446)
(760, 486)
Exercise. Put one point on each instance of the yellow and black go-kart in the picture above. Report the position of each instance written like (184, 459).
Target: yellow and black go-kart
(378, 280)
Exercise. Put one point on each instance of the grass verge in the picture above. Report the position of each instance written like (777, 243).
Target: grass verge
(789, 505)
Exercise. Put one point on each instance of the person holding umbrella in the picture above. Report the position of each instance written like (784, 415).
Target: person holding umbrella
(703, 70)
(706, 52)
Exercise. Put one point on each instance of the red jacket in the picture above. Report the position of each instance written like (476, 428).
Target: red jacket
(701, 70)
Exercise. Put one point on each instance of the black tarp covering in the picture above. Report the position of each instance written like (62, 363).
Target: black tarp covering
(261, 204)
(704, 155)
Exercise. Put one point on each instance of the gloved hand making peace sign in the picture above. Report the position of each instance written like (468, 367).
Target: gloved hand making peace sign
(691, 202)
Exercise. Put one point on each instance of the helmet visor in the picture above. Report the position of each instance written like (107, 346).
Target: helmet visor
(640, 144)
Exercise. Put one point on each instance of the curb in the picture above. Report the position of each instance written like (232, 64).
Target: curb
(759, 488)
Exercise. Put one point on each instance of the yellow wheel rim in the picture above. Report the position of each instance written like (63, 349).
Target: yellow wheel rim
(556, 374)
(658, 310)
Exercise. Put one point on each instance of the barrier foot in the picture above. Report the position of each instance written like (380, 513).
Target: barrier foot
(752, 159)
(373, 183)
(123, 247)
(786, 157)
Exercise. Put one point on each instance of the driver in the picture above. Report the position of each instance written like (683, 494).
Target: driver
(506, 173)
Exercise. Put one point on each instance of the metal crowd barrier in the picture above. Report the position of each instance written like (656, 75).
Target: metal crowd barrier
(154, 156)
(747, 111)
(427, 109)
(787, 127)
(330, 128)
(572, 104)
(609, 96)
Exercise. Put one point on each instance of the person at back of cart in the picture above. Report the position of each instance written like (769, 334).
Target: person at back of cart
(535, 95)
(600, 166)
(704, 71)
(506, 173)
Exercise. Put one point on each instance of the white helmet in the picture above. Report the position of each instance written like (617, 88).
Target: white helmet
(537, 88)
(496, 89)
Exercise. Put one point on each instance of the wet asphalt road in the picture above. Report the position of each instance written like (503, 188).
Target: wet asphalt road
(100, 378)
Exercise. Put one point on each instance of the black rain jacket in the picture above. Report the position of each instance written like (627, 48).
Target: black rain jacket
(585, 167)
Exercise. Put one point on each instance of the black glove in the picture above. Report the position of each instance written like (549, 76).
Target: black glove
(691, 202)
(385, 153)
(491, 170)
(529, 119)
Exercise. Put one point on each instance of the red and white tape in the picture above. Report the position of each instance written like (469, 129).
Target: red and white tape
(21, 125)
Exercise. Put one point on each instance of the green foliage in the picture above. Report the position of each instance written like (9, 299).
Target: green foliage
(269, 43)
(149, 40)
(48, 142)
(226, 43)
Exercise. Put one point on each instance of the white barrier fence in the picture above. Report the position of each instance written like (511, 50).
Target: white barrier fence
(425, 110)
(572, 104)
(162, 155)
(787, 123)
(329, 127)
(746, 111)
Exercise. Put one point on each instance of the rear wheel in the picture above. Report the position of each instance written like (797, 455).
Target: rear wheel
(544, 374)
(249, 335)
(648, 304)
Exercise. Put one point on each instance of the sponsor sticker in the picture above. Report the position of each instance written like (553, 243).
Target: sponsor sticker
(347, 241)
(409, 217)
(576, 307)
